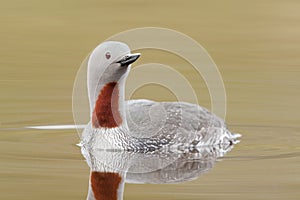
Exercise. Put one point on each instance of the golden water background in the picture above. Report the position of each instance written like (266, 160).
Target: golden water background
(255, 44)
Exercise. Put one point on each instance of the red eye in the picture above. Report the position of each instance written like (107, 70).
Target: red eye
(107, 55)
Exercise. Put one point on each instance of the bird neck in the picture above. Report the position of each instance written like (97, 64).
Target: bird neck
(108, 110)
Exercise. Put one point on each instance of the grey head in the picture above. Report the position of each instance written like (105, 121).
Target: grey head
(109, 62)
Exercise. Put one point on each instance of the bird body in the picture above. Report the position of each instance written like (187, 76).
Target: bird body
(141, 125)
(173, 125)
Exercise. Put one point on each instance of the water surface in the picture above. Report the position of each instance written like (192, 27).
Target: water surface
(255, 44)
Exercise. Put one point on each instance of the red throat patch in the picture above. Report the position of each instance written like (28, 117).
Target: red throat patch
(106, 112)
(105, 185)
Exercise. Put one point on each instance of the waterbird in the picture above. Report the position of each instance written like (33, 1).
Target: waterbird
(141, 125)
(137, 126)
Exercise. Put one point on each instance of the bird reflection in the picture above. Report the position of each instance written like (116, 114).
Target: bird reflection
(111, 169)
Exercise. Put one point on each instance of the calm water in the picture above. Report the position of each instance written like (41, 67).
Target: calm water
(256, 46)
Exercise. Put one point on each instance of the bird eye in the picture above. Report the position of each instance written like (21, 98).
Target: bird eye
(107, 55)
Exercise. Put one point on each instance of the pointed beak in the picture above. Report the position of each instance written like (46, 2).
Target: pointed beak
(128, 59)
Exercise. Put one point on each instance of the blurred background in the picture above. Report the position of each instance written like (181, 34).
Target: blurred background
(255, 44)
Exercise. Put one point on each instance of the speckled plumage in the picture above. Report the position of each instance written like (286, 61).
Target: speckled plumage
(180, 125)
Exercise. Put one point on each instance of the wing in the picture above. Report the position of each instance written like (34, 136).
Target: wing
(147, 118)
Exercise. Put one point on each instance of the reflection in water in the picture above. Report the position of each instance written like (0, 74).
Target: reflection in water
(143, 140)
(111, 169)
